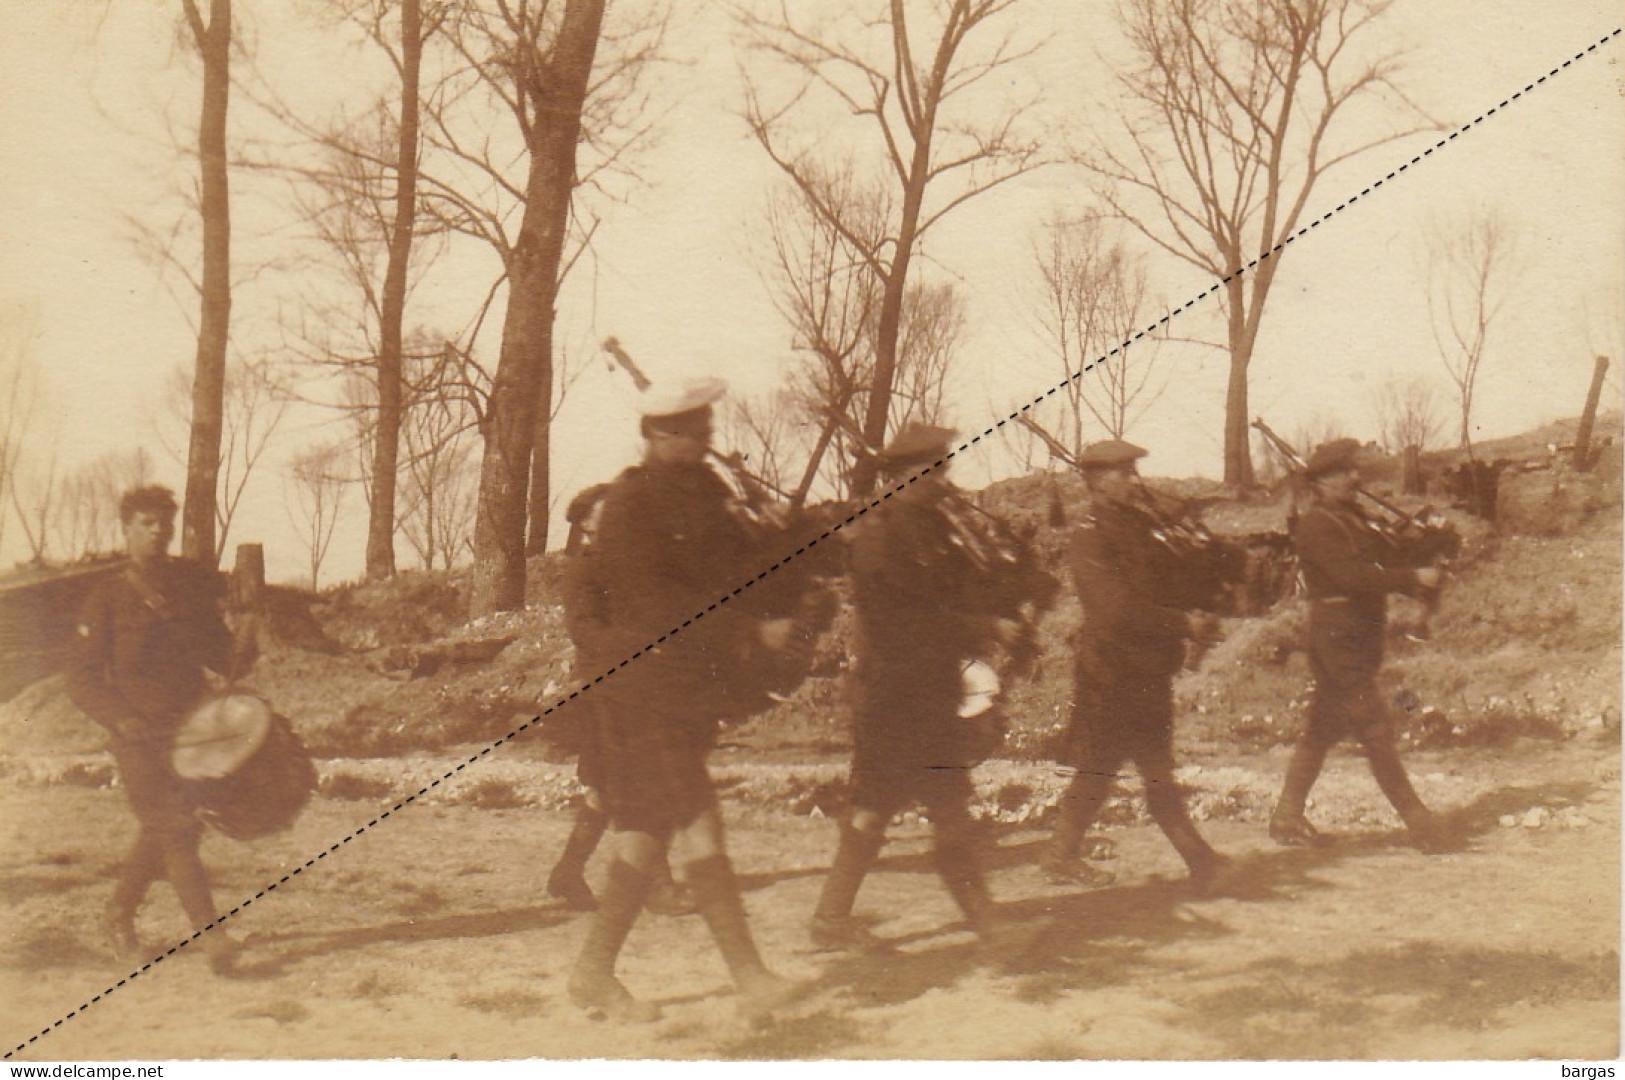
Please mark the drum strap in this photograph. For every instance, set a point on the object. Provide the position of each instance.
(149, 595)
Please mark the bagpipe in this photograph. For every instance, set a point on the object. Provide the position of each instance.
(1010, 581)
(1197, 567)
(1412, 541)
(797, 588)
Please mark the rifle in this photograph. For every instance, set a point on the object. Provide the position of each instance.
(1296, 465)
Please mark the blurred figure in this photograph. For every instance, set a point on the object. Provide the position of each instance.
(1130, 646)
(584, 615)
(145, 637)
(1342, 554)
(921, 614)
(671, 541)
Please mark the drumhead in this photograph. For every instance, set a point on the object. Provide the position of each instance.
(219, 736)
(979, 689)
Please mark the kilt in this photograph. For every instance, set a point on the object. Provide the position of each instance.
(646, 759)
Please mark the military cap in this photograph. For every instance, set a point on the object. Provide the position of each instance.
(917, 443)
(1110, 454)
(1335, 456)
(680, 396)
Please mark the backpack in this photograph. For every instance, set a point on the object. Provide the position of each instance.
(583, 589)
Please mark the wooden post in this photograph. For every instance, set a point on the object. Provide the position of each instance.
(248, 578)
(246, 607)
(1411, 472)
(1582, 439)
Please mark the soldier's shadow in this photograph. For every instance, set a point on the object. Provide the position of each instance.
(270, 955)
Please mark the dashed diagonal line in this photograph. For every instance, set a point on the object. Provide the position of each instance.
(829, 533)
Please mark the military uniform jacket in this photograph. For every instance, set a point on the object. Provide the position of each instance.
(916, 597)
(140, 654)
(1125, 582)
(671, 542)
(1342, 554)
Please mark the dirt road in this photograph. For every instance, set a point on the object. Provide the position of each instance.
(431, 937)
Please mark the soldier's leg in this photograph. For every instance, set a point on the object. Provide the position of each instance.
(593, 985)
(166, 820)
(710, 874)
(1077, 812)
(143, 866)
(1167, 806)
(1324, 726)
(1094, 753)
(956, 848)
(568, 880)
(862, 836)
(1376, 734)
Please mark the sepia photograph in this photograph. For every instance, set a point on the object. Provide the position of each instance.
(811, 531)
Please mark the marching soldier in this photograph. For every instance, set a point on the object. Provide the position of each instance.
(584, 614)
(1131, 644)
(671, 543)
(145, 637)
(1342, 555)
(919, 619)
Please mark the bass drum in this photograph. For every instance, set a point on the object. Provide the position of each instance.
(245, 770)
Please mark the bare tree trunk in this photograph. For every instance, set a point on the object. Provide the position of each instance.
(1238, 458)
(387, 436)
(541, 459)
(524, 367)
(1588, 419)
(209, 377)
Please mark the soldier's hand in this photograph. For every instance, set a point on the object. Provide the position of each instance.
(1007, 631)
(1430, 577)
(776, 635)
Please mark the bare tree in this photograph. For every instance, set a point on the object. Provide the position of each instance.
(768, 432)
(254, 404)
(438, 511)
(1094, 301)
(35, 497)
(17, 399)
(88, 521)
(1407, 415)
(933, 321)
(213, 42)
(934, 161)
(1232, 105)
(825, 287)
(535, 61)
(1468, 282)
(319, 482)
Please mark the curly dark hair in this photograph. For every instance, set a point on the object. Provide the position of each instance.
(151, 499)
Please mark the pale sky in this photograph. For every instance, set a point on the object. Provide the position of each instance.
(82, 107)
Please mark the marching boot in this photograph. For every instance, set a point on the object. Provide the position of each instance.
(1426, 831)
(593, 985)
(117, 926)
(1060, 862)
(568, 881)
(1207, 867)
(117, 932)
(832, 924)
(716, 891)
(955, 856)
(1288, 826)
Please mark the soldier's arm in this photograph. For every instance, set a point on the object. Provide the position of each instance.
(1118, 588)
(1337, 555)
(89, 664)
